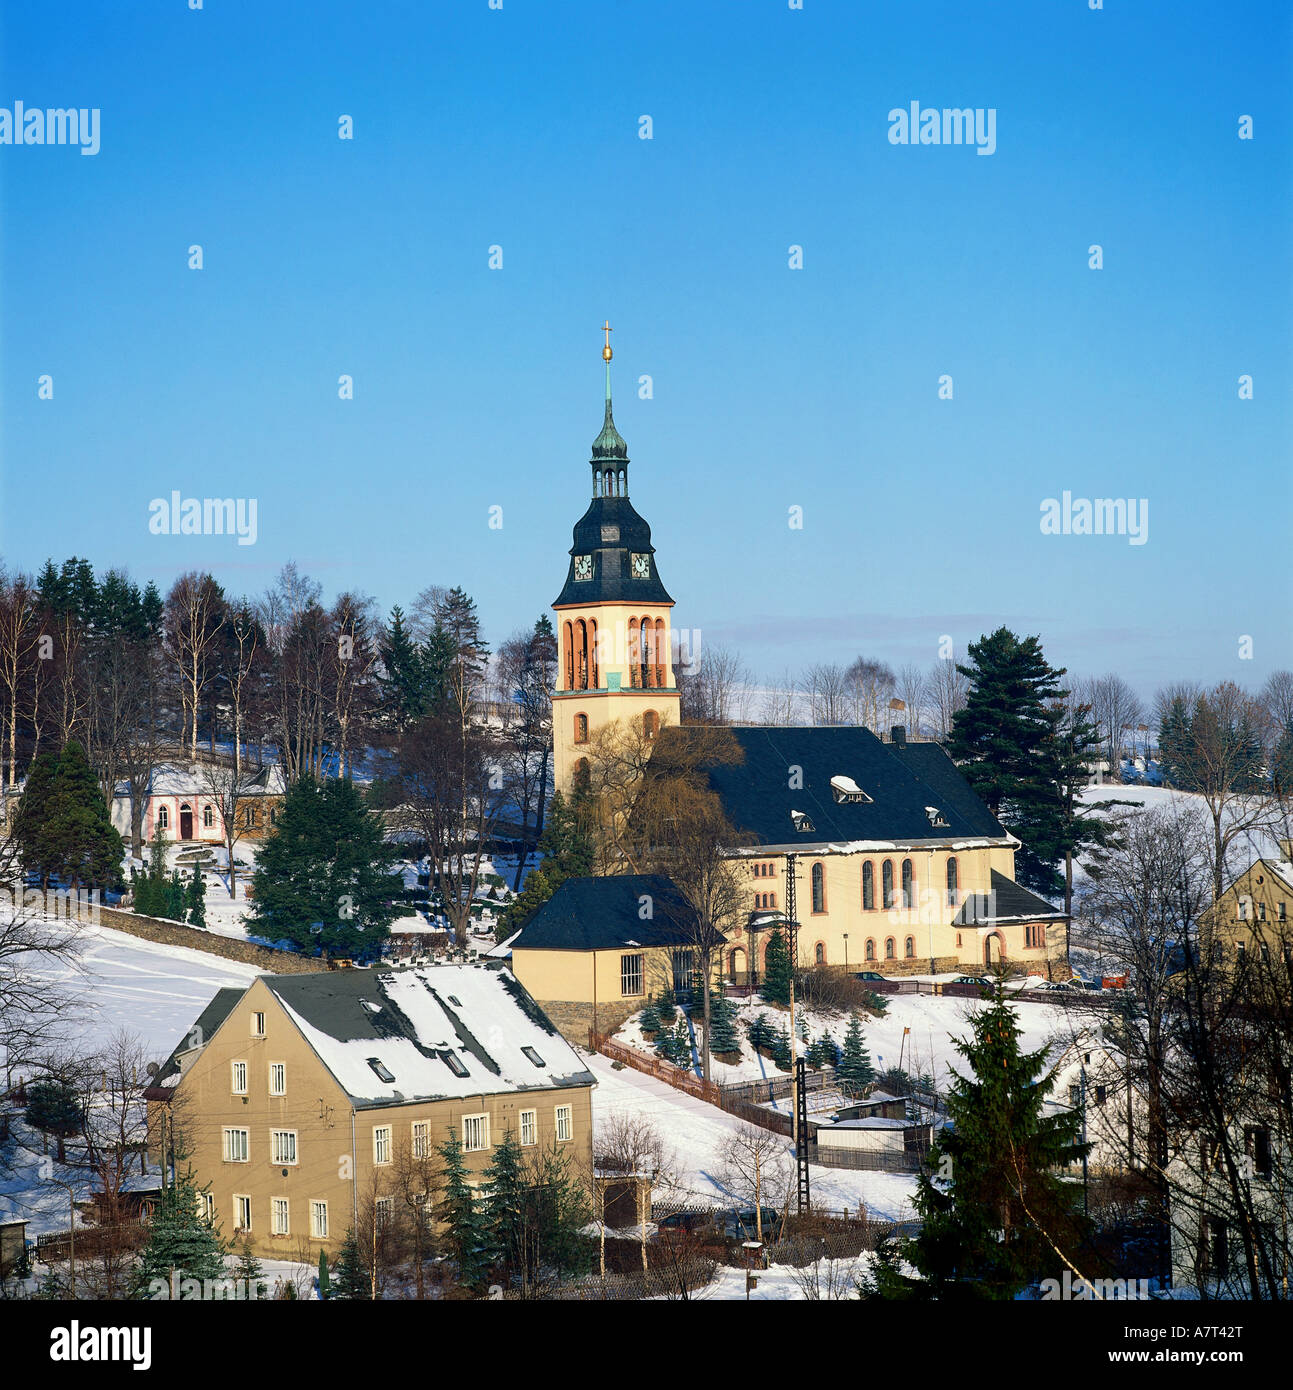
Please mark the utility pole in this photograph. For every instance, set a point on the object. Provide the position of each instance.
(799, 1099)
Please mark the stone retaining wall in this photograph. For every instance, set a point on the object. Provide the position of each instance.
(574, 1018)
(176, 934)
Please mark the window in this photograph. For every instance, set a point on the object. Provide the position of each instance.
(1261, 912)
(819, 954)
(242, 1213)
(868, 886)
(886, 883)
(1257, 1145)
(421, 1143)
(249, 817)
(650, 724)
(953, 883)
(908, 899)
(1075, 1095)
(381, 1143)
(1243, 909)
(531, 1054)
(819, 887)
(258, 1025)
(581, 728)
(563, 1122)
(1214, 1251)
(888, 948)
(206, 1207)
(870, 948)
(802, 823)
(631, 974)
(208, 817)
(279, 1222)
(380, 1070)
(909, 948)
(475, 1133)
(283, 1145)
(319, 1220)
(382, 1212)
(1100, 1093)
(239, 1078)
(1282, 912)
(1241, 950)
(278, 1078)
(529, 1127)
(958, 940)
(163, 818)
(237, 1145)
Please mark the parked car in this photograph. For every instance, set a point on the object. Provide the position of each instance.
(979, 980)
(867, 975)
(684, 1222)
(742, 1224)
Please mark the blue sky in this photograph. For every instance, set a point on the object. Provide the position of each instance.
(773, 388)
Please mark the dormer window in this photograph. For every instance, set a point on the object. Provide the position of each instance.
(936, 818)
(846, 791)
(801, 822)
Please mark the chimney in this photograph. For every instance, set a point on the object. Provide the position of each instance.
(898, 735)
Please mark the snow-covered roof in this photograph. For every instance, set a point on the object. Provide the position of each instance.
(394, 1036)
(178, 779)
(502, 950)
(868, 1122)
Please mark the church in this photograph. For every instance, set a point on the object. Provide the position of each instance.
(897, 866)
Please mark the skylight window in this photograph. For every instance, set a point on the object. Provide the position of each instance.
(845, 791)
(533, 1056)
(454, 1063)
(453, 999)
(383, 1072)
(801, 822)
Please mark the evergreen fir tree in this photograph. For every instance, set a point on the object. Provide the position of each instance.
(176, 897)
(352, 1282)
(179, 1240)
(760, 1031)
(667, 1006)
(781, 1055)
(196, 897)
(854, 1072)
(722, 1025)
(63, 826)
(506, 1186)
(249, 1270)
(994, 1209)
(824, 1052)
(801, 1026)
(1174, 745)
(682, 1045)
(404, 685)
(53, 1107)
(649, 1020)
(467, 1234)
(1282, 764)
(326, 863)
(776, 969)
(1003, 741)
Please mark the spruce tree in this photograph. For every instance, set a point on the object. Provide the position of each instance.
(781, 1054)
(176, 898)
(195, 898)
(53, 1107)
(506, 1187)
(1282, 764)
(723, 1036)
(760, 1031)
(994, 1209)
(63, 826)
(327, 864)
(33, 815)
(682, 1045)
(325, 1283)
(352, 1283)
(649, 1019)
(249, 1270)
(854, 1073)
(180, 1241)
(776, 969)
(467, 1234)
(1003, 741)
(1174, 745)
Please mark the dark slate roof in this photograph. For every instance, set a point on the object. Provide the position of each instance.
(611, 532)
(603, 914)
(1008, 902)
(202, 1032)
(901, 782)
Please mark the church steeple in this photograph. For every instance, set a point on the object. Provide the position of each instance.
(610, 460)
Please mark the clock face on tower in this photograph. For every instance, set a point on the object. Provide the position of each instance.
(583, 566)
(641, 567)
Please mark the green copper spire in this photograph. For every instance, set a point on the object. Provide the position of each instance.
(610, 452)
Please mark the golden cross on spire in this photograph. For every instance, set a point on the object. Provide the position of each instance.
(608, 330)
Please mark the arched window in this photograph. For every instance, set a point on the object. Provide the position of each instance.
(952, 884)
(208, 816)
(868, 886)
(909, 949)
(581, 778)
(819, 887)
(907, 894)
(660, 643)
(163, 818)
(568, 655)
(650, 724)
(772, 901)
(736, 964)
(635, 654)
(581, 654)
(647, 667)
(249, 817)
(819, 953)
(581, 728)
(592, 653)
(886, 883)
(888, 948)
(870, 948)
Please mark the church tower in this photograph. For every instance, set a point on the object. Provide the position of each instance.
(612, 625)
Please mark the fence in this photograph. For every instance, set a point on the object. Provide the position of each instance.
(870, 1160)
(1064, 998)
